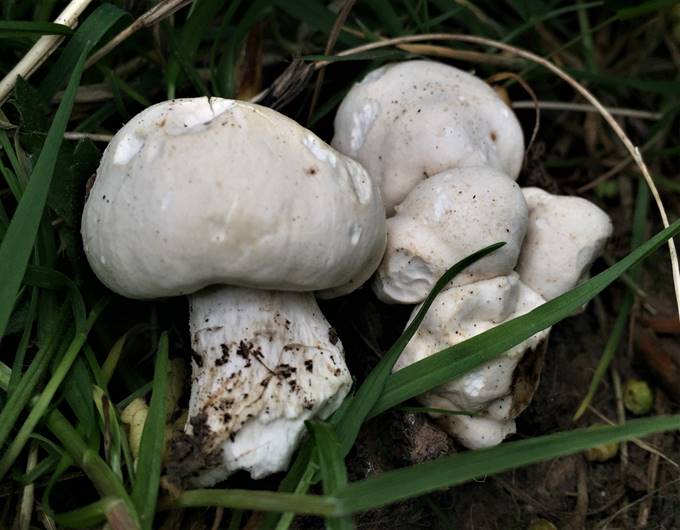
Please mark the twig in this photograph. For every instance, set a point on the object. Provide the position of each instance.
(460, 55)
(158, 12)
(42, 49)
(332, 39)
(606, 522)
(217, 521)
(632, 149)
(646, 507)
(537, 109)
(642, 445)
(583, 107)
(90, 136)
(581, 509)
(621, 413)
(27, 499)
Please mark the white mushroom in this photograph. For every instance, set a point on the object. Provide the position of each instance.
(410, 120)
(205, 192)
(565, 235)
(444, 219)
(492, 390)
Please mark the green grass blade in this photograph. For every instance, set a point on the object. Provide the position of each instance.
(455, 361)
(17, 245)
(112, 430)
(5, 376)
(644, 8)
(182, 58)
(456, 469)
(663, 87)
(384, 10)
(263, 501)
(145, 489)
(106, 482)
(44, 401)
(333, 472)
(93, 514)
(637, 238)
(417, 480)
(21, 28)
(317, 16)
(226, 81)
(95, 26)
(20, 356)
(202, 14)
(29, 381)
(607, 353)
(372, 388)
(362, 56)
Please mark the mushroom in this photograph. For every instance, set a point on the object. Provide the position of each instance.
(565, 235)
(444, 219)
(407, 121)
(248, 213)
(497, 391)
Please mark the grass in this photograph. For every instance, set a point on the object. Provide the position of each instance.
(73, 357)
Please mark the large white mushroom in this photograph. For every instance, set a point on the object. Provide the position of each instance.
(565, 235)
(444, 219)
(407, 121)
(248, 213)
(446, 150)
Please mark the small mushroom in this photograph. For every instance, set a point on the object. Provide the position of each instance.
(248, 213)
(564, 236)
(494, 391)
(407, 121)
(444, 219)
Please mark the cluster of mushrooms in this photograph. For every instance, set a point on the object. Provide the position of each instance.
(253, 217)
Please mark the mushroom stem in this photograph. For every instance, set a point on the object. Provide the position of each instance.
(264, 362)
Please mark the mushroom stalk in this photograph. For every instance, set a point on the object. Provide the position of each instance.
(264, 362)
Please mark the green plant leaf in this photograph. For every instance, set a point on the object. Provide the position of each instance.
(145, 488)
(29, 381)
(21, 28)
(333, 472)
(202, 14)
(413, 481)
(17, 244)
(106, 482)
(94, 514)
(90, 32)
(44, 401)
(459, 468)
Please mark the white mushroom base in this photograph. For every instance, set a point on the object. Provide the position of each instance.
(264, 362)
(493, 391)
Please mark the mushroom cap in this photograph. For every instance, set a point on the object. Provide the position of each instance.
(408, 120)
(564, 236)
(202, 191)
(444, 219)
(457, 314)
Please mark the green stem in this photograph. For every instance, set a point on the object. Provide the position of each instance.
(92, 514)
(253, 500)
(101, 475)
